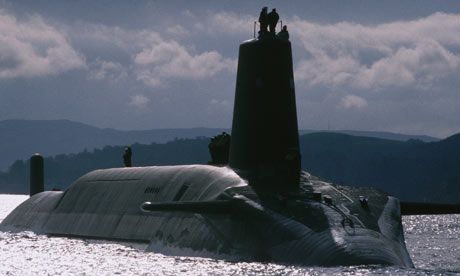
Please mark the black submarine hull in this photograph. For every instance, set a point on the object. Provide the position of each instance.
(211, 211)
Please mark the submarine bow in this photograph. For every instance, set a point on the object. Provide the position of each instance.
(261, 207)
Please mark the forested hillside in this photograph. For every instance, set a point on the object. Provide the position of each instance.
(19, 139)
(61, 170)
(412, 170)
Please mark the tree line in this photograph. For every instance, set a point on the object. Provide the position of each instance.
(411, 170)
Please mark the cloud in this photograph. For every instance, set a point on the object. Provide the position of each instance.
(419, 53)
(154, 59)
(221, 103)
(101, 69)
(177, 30)
(139, 101)
(353, 101)
(229, 23)
(170, 60)
(32, 48)
(113, 37)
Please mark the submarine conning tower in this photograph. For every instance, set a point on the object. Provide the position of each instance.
(265, 142)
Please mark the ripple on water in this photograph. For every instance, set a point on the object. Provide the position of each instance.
(433, 242)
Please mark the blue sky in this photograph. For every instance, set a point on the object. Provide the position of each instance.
(360, 65)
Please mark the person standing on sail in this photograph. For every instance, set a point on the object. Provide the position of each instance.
(273, 18)
(263, 20)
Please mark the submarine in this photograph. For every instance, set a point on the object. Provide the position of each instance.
(260, 206)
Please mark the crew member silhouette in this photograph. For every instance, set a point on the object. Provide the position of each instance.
(284, 34)
(127, 157)
(263, 20)
(273, 18)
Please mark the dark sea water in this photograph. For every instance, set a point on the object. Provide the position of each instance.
(433, 243)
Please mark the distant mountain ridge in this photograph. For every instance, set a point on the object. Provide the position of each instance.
(19, 139)
(378, 134)
(411, 170)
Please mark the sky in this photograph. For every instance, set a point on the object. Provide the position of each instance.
(132, 65)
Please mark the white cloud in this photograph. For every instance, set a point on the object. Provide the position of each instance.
(109, 37)
(325, 70)
(353, 101)
(177, 30)
(102, 69)
(139, 101)
(155, 60)
(416, 53)
(229, 22)
(169, 59)
(32, 48)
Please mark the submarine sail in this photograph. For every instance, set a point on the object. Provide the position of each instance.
(265, 140)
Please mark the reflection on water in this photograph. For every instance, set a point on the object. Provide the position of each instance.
(432, 241)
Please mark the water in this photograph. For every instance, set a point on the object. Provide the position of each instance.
(432, 241)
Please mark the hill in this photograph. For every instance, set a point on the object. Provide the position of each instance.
(378, 134)
(61, 170)
(411, 170)
(19, 139)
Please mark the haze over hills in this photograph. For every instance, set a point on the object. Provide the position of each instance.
(411, 170)
(19, 139)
